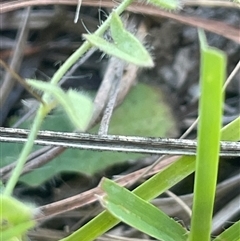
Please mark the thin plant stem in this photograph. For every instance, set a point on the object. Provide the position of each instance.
(44, 109)
(86, 45)
(25, 152)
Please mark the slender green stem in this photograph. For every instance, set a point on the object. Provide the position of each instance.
(86, 45)
(43, 110)
(25, 152)
(150, 189)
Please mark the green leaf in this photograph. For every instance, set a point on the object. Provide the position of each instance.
(230, 234)
(231, 131)
(143, 121)
(125, 46)
(17, 232)
(78, 106)
(166, 4)
(8, 204)
(15, 217)
(134, 117)
(150, 189)
(140, 214)
(212, 75)
(81, 107)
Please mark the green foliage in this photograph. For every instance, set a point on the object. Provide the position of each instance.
(232, 233)
(140, 214)
(231, 131)
(127, 206)
(212, 75)
(125, 46)
(134, 117)
(176, 171)
(143, 121)
(149, 190)
(78, 106)
(15, 218)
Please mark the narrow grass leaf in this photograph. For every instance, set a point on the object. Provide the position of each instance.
(78, 106)
(230, 234)
(140, 214)
(213, 67)
(150, 189)
(125, 46)
(231, 132)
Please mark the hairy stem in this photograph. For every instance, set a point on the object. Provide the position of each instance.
(43, 110)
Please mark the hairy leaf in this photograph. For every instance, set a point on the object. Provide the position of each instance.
(125, 46)
(78, 106)
(143, 121)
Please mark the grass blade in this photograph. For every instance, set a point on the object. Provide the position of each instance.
(213, 66)
(231, 132)
(230, 234)
(150, 189)
(140, 214)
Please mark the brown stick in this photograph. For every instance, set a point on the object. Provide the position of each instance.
(217, 27)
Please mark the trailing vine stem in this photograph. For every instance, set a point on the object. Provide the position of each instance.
(25, 151)
(44, 109)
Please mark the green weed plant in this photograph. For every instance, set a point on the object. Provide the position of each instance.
(133, 207)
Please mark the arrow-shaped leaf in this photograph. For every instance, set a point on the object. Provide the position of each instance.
(125, 46)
